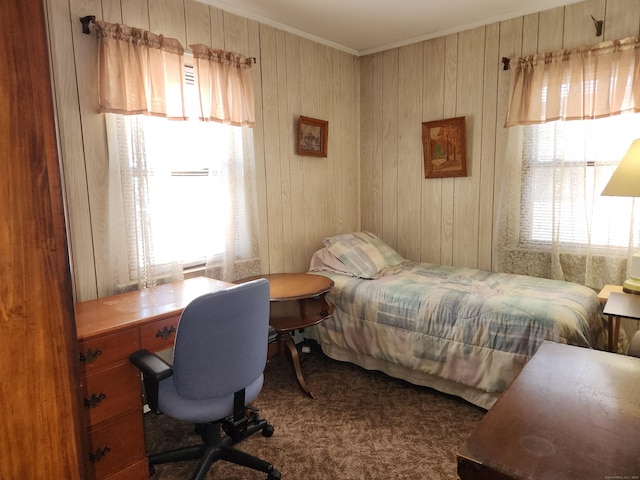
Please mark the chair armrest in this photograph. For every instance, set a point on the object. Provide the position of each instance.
(151, 365)
(154, 369)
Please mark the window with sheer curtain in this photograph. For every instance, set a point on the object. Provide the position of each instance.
(571, 119)
(181, 166)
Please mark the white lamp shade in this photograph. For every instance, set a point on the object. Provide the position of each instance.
(625, 181)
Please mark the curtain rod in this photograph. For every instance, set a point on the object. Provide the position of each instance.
(89, 19)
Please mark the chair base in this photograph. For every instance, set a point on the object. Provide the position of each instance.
(216, 447)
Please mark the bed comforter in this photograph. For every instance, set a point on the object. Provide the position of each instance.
(467, 327)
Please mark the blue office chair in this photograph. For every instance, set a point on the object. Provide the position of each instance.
(220, 353)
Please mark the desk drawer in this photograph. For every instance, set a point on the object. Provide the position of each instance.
(117, 444)
(111, 392)
(159, 334)
(106, 350)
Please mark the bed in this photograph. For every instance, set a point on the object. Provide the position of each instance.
(462, 331)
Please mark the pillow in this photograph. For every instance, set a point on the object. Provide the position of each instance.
(324, 260)
(364, 254)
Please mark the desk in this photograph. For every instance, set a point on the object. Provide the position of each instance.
(109, 329)
(572, 413)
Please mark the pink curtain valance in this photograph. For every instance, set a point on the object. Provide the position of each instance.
(583, 83)
(139, 72)
(225, 86)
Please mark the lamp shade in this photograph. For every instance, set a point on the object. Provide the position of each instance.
(625, 181)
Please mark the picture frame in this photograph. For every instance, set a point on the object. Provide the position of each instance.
(445, 147)
(312, 137)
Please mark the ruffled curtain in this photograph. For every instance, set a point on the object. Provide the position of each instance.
(576, 84)
(225, 86)
(139, 72)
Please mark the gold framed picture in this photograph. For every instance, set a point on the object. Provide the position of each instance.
(444, 143)
(312, 137)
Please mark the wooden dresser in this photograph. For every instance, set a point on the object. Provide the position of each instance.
(109, 330)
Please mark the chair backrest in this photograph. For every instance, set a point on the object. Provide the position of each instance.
(221, 341)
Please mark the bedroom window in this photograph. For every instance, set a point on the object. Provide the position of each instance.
(565, 166)
(184, 201)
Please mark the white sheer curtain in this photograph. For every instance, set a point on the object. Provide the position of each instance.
(551, 220)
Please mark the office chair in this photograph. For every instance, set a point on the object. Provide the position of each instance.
(220, 352)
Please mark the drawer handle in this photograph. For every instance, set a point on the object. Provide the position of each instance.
(99, 454)
(165, 332)
(90, 356)
(94, 400)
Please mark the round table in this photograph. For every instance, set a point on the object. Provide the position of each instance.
(297, 302)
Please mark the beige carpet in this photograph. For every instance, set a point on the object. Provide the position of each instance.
(363, 425)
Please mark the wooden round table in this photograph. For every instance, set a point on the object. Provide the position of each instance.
(297, 302)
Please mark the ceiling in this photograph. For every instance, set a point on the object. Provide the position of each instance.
(361, 27)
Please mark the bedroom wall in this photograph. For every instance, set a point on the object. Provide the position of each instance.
(450, 221)
(302, 199)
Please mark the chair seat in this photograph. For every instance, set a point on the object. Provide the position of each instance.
(201, 411)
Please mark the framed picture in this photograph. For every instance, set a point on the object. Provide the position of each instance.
(444, 143)
(312, 137)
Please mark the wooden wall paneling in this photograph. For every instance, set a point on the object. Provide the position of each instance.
(111, 11)
(350, 144)
(71, 147)
(450, 102)
(390, 109)
(335, 201)
(467, 189)
(492, 66)
(41, 425)
(510, 47)
(271, 146)
(324, 167)
(95, 153)
(235, 33)
(410, 171)
(550, 31)
(377, 157)
(216, 17)
(579, 30)
(621, 19)
(312, 77)
(289, 167)
(432, 109)
(366, 141)
(197, 24)
(530, 30)
(135, 13)
(166, 17)
(258, 143)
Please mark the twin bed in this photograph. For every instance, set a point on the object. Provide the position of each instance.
(462, 331)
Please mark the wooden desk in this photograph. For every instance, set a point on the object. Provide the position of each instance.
(572, 413)
(110, 329)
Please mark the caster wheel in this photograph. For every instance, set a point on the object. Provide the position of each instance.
(267, 430)
(274, 475)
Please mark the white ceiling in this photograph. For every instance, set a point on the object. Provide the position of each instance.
(361, 27)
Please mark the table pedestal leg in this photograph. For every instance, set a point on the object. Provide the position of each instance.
(287, 347)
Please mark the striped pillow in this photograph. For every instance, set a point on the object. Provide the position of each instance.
(364, 254)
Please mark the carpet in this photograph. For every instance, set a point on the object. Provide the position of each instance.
(363, 425)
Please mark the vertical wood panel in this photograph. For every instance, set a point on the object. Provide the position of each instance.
(366, 141)
(409, 150)
(579, 30)
(197, 24)
(390, 107)
(467, 189)
(432, 109)
(450, 102)
(167, 18)
(622, 19)
(487, 154)
(550, 30)
(377, 164)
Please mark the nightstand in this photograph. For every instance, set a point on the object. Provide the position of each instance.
(620, 305)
